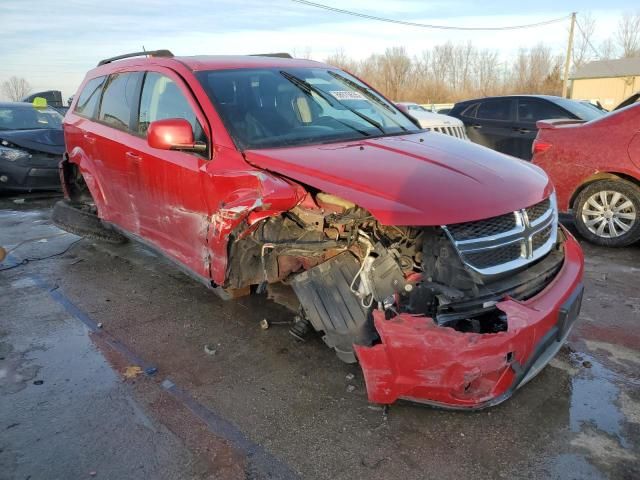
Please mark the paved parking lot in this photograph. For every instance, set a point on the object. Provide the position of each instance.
(256, 404)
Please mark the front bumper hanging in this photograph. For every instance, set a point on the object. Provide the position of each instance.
(420, 361)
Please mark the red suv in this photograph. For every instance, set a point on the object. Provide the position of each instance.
(437, 264)
(595, 167)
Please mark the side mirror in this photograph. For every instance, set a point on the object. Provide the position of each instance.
(173, 134)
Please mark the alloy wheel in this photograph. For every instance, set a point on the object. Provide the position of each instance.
(609, 214)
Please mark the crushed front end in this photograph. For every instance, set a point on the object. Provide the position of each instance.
(454, 315)
(416, 359)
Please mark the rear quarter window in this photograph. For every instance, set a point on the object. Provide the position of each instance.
(90, 97)
(119, 100)
(469, 111)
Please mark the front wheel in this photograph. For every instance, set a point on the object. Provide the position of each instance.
(607, 213)
(82, 221)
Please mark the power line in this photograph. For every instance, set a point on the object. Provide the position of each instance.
(598, 55)
(424, 25)
(588, 42)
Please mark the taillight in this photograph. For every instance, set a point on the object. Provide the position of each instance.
(540, 146)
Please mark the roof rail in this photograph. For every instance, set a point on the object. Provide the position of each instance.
(152, 53)
(277, 55)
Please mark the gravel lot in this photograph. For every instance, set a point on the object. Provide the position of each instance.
(256, 404)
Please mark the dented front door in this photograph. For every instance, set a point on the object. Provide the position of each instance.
(171, 208)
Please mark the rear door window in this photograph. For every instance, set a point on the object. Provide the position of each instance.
(161, 99)
(119, 100)
(90, 97)
(530, 111)
(495, 110)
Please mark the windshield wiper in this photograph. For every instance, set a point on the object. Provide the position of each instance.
(307, 87)
(367, 93)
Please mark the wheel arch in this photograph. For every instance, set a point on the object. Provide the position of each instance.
(76, 165)
(602, 176)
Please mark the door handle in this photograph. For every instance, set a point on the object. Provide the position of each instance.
(477, 126)
(133, 156)
(89, 138)
(521, 130)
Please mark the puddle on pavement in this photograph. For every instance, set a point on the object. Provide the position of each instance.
(595, 400)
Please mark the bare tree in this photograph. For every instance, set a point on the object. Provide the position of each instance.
(302, 53)
(339, 59)
(15, 88)
(582, 50)
(628, 35)
(460, 63)
(395, 66)
(607, 49)
(487, 72)
(534, 71)
(449, 72)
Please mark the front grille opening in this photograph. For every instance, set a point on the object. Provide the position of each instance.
(483, 228)
(538, 210)
(540, 238)
(492, 321)
(495, 256)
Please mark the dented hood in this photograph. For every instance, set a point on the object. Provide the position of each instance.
(419, 179)
(47, 140)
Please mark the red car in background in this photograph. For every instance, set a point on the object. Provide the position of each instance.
(595, 167)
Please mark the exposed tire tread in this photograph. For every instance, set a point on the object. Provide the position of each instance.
(631, 190)
(73, 219)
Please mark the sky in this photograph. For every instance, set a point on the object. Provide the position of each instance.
(53, 43)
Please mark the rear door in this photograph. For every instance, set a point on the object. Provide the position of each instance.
(111, 133)
(171, 208)
(80, 139)
(490, 124)
(529, 111)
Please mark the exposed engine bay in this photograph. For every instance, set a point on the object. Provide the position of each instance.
(343, 265)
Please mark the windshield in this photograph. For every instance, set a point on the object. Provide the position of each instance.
(278, 107)
(25, 117)
(581, 110)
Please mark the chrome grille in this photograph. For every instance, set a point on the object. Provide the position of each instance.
(538, 210)
(540, 238)
(483, 228)
(494, 256)
(506, 242)
(458, 131)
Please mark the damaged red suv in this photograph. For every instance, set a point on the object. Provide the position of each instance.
(436, 264)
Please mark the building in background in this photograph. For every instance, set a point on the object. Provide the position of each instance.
(606, 81)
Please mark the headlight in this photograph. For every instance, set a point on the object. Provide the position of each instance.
(12, 154)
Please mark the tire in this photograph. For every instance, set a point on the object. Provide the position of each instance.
(80, 220)
(599, 215)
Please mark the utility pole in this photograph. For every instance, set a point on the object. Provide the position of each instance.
(567, 61)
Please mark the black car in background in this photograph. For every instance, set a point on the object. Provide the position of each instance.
(31, 146)
(508, 124)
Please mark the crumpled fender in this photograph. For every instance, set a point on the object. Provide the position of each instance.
(418, 360)
(255, 195)
(92, 178)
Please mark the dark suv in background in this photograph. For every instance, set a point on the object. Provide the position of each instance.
(508, 124)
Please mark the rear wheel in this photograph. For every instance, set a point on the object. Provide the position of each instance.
(607, 213)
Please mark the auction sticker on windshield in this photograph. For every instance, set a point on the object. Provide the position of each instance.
(347, 95)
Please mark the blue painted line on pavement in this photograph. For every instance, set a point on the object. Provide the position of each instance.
(259, 459)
